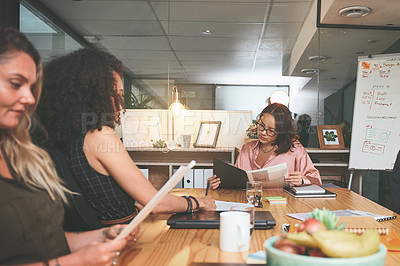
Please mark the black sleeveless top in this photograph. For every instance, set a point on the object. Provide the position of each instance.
(108, 199)
(31, 223)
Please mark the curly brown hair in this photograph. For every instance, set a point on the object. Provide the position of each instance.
(79, 95)
(283, 125)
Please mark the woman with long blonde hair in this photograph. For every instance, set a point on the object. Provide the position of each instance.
(31, 194)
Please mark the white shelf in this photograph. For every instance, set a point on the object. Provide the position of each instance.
(169, 160)
(332, 163)
(318, 150)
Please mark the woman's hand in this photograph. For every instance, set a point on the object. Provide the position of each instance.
(214, 182)
(294, 179)
(206, 203)
(111, 232)
(96, 253)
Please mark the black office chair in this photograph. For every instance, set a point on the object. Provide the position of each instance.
(395, 184)
(79, 214)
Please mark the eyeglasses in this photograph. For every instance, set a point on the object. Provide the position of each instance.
(269, 132)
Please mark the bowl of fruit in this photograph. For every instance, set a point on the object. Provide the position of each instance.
(320, 240)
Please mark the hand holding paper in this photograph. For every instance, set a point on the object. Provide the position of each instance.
(156, 199)
(272, 177)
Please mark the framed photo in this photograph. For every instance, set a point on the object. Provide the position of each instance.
(208, 134)
(330, 137)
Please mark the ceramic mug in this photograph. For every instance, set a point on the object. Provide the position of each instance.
(234, 231)
(250, 209)
(184, 140)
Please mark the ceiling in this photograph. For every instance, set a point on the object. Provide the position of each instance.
(251, 42)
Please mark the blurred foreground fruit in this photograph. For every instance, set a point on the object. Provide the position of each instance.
(316, 252)
(328, 218)
(341, 244)
(302, 238)
(311, 225)
(289, 246)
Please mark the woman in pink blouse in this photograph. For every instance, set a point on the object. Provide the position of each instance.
(277, 143)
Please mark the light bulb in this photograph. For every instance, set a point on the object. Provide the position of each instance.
(176, 107)
(280, 96)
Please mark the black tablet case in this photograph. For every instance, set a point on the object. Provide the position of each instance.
(231, 176)
(210, 220)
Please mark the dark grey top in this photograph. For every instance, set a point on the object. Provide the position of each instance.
(108, 199)
(31, 224)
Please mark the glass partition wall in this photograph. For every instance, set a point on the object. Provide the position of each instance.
(332, 55)
(49, 39)
(338, 48)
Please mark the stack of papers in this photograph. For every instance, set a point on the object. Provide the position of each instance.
(308, 189)
(276, 200)
(311, 191)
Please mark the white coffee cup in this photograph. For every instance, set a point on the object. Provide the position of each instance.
(250, 209)
(185, 141)
(234, 233)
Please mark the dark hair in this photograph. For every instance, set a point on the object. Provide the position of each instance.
(79, 95)
(11, 40)
(285, 129)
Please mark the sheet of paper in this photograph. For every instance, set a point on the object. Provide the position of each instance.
(277, 171)
(270, 173)
(271, 177)
(226, 205)
(172, 182)
(340, 213)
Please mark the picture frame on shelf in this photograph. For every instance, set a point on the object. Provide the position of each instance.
(330, 137)
(208, 134)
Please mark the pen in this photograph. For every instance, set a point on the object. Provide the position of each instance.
(208, 187)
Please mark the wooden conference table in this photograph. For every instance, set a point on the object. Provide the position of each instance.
(157, 244)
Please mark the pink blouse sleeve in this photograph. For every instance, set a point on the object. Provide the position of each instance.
(240, 160)
(306, 167)
(244, 158)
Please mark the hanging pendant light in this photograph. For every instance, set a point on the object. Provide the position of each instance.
(176, 105)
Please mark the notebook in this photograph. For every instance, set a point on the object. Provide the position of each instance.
(230, 176)
(210, 220)
(326, 193)
(308, 189)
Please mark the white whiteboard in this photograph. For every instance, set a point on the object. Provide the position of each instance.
(376, 121)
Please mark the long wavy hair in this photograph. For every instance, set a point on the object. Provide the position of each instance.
(31, 163)
(79, 95)
(283, 125)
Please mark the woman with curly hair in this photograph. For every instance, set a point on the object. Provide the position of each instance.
(80, 107)
(31, 193)
(277, 143)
